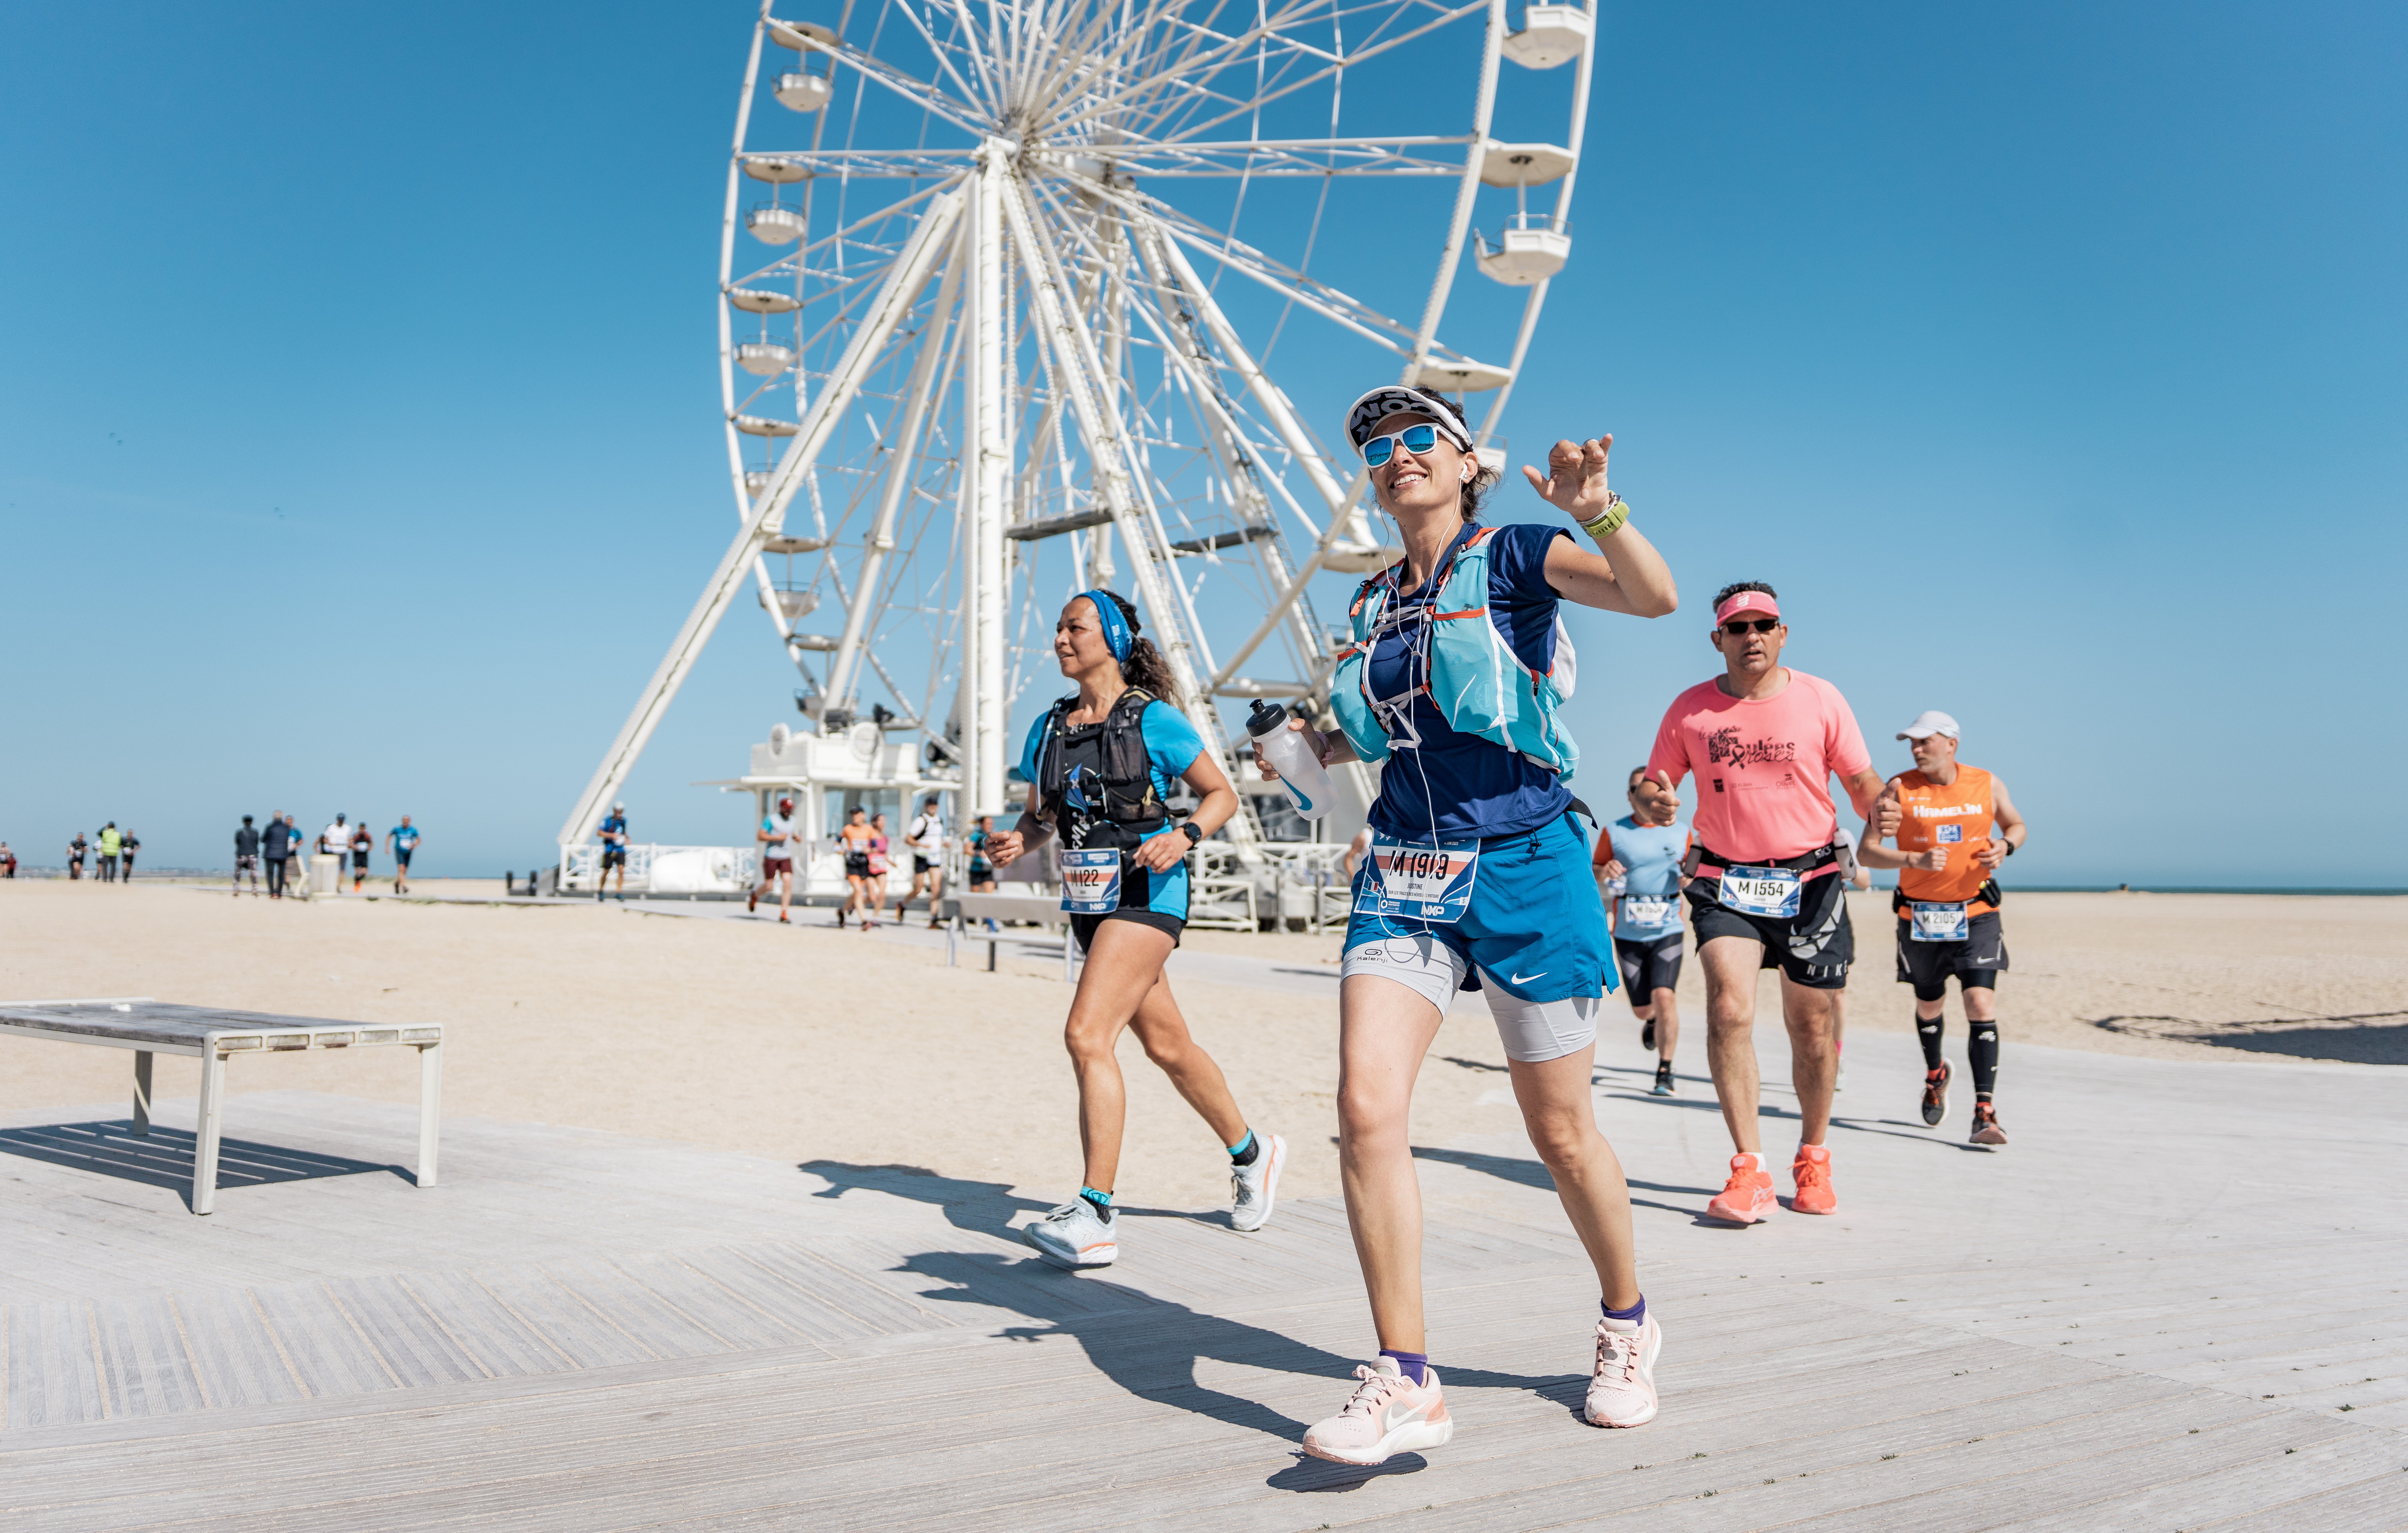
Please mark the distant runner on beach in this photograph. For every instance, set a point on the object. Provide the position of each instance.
(981, 871)
(362, 845)
(246, 857)
(1763, 742)
(8, 862)
(1639, 860)
(777, 838)
(613, 831)
(854, 835)
(925, 837)
(882, 864)
(126, 849)
(1947, 904)
(75, 849)
(402, 841)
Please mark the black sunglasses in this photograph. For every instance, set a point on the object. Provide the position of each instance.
(1737, 626)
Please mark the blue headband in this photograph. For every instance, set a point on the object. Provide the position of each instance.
(1117, 637)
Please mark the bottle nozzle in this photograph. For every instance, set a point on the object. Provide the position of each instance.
(1267, 716)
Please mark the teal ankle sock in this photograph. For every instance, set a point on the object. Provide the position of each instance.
(1244, 1152)
(1102, 1202)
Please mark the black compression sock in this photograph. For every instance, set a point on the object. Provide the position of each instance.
(1927, 1034)
(1981, 1049)
(1247, 1151)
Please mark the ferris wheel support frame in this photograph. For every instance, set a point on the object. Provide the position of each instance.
(893, 304)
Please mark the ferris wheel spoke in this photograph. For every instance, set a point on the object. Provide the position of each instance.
(1292, 157)
(919, 93)
(944, 53)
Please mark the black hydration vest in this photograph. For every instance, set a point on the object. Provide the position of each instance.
(1130, 809)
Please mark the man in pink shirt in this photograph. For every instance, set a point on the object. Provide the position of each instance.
(1763, 742)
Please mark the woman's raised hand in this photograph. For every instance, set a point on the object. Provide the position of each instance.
(1575, 481)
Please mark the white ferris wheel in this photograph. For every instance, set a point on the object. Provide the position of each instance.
(1007, 289)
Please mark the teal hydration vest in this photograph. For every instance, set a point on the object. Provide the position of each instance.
(1477, 683)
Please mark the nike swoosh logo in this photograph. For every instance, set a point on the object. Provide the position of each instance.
(1396, 1415)
(1526, 979)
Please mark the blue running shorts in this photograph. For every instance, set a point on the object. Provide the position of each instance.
(1534, 934)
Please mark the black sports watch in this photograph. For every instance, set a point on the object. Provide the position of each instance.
(1194, 837)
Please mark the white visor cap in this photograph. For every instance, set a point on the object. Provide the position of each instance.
(1378, 405)
(1928, 722)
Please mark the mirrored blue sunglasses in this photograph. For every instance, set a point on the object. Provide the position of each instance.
(1417, 438)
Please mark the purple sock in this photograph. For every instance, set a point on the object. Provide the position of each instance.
(1635, 1314)
(1412, 1365)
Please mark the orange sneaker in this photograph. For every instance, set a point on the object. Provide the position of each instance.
(1812, 1169)
(1747, 1196)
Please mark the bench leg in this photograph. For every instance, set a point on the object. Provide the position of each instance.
(430, 1108)
(142, 1093)
(205, 1134)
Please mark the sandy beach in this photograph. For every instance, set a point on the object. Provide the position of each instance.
(807, 1042)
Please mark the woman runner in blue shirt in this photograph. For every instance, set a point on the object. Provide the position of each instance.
(1099, 764)
(1477, 876)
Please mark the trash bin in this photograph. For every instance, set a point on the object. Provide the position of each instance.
(325, 874)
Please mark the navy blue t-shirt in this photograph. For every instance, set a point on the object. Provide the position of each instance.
(1457, 785)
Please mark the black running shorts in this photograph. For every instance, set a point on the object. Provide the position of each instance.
(921, 864)
(1815, 947)
(1648, 967)
(1975, 961)
(614, 857)
(857, 865)
(1088, 926)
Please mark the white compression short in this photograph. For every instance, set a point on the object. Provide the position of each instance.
(1532, 1032)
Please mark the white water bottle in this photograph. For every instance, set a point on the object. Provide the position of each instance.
(1305, 779)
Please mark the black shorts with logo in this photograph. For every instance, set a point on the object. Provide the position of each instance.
(1648, 967)
(1815, 947)
(614, 857)
(1975, 961)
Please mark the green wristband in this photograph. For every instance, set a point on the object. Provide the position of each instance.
(1617, 511)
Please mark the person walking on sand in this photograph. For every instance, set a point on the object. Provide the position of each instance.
(777, 838)
(925, 837)
(1455, 677)
(363, 846)
(881, 863)
(334, 842)
(982, 871)
(1639, 860)
(245, 856)
(75, 849)
(1762, 740)
(854, 835)
(614, 832)
(402, 841)
(112, 841)
(274, 849)
(1947, 904)
(8, 862)
(1100, 764)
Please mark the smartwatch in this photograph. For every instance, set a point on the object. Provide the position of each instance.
(1194, 837)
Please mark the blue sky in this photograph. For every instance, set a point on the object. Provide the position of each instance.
(359, 451)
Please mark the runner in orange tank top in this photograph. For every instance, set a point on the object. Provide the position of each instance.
(1947, 903)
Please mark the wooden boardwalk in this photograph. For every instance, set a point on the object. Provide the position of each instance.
(2175, 1302)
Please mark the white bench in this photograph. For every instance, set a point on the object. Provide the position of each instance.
(1044, 908)
(154, 1027)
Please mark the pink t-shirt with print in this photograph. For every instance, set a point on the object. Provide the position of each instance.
(1763, 768)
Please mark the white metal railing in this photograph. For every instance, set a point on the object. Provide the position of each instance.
(694, 869)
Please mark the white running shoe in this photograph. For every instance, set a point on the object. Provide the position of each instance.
(1074, 1235)
(1388, 1413)
(1621, 1386)
(1253, 1188)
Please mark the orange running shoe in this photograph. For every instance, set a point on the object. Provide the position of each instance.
(1812, 1169)
(1747, 1196)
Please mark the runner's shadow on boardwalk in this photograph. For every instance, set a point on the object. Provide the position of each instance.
(1152, 1352)
(983, 1207)
(1531, 1173)
(164, 1158)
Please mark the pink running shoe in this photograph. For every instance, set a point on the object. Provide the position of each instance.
(1621, 1386)
(1812, 1169)
(1746, 1198)
(1387, 1414)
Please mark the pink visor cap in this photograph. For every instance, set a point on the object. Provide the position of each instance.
(1747, 601)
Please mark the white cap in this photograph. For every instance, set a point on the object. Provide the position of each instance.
(1928, 722)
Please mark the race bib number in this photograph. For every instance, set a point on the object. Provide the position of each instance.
(1951, 835)
(1773, 892)
(1650, 910)
(1934, 922)
(1420, 881)
(1091, 881)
